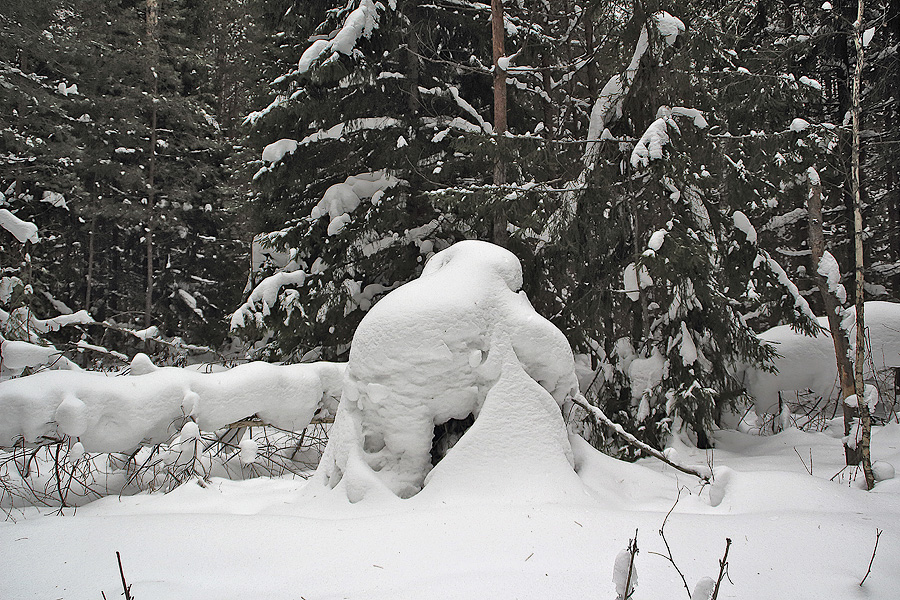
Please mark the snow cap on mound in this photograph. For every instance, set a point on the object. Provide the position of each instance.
(461, 341)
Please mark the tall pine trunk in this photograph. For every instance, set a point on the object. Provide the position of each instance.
(833, 309)
(497, 36)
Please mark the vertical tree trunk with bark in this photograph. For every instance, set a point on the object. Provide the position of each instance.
(833, 311)
(152, 50)
(412, 62)
(497, 36)
(855, 181)
(89, 279)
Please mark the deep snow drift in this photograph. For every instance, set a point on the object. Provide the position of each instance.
(461, 340)
(795, 535)
(116, 413)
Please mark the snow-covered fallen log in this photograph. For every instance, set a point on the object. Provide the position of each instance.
(109, 413)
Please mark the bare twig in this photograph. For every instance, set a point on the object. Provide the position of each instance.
(668, 556)
(601, 418)
(125, 585)
(871, 560)
(632, 550)
(723, 569)
(808, 468)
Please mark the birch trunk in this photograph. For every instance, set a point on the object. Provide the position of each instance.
(855, 181)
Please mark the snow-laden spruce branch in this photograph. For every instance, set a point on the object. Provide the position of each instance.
(607, 108)
(600, 417)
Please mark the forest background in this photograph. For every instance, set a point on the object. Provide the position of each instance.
(250, 176)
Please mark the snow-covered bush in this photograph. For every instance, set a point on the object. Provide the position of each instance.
(807, 363)
(461, 344)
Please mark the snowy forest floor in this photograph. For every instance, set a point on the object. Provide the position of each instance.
(794, 535)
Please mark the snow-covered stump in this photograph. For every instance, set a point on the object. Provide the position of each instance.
(460, 342)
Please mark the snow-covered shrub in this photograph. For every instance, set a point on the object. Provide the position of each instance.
(459, 343)
(806, 364)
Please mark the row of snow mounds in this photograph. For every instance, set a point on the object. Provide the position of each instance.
(808, 363)
(108, 413)
(461, 340)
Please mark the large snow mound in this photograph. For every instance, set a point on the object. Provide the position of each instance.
(808, 363)
(117, 413)
(461, 341)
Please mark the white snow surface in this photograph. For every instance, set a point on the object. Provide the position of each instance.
(16, 355)
(656, 240)
(829, 269)
(275, 151)
(341, 199)
(867, 36)
(636, 279)
(264, 296)
(808, 363)
(461, 339)
(742, 223)
(798, 125)
(116, 413)
(270, 538)
(670, 27)
(650, 146)
(625, 575)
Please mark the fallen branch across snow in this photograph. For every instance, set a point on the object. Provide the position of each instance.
(602, 419)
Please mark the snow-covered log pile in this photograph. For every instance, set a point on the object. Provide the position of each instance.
(460, 342)
(109, 413)
(808, 363)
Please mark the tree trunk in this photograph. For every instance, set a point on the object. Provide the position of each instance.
(833, 312)
(497, 35)
(152, 48)
(864, 417)
(412, 63)
(89, 283)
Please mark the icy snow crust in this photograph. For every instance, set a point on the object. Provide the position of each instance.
(114, 414)
(460, 340)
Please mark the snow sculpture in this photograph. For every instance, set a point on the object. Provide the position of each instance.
(457, 344)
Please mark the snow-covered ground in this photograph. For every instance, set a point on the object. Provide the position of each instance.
(794, 535)
(513, 507)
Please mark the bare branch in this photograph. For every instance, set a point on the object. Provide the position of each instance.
(871, 560)
(601, 418)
